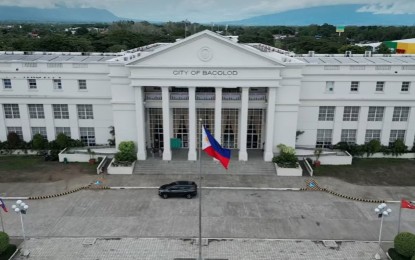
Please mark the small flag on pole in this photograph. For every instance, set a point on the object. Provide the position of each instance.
(3, 205)
(213, 148)
(406, 204)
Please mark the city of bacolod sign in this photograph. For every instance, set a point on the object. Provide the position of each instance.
(205, 72)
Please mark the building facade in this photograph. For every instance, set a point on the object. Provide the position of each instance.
(250, 96)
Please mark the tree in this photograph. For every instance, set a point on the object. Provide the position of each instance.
(372, 147)
(62, 140)
(13, 140)
(383, 49)
(39, 142)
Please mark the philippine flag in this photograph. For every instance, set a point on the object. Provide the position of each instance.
(3, 205)
(213, 148)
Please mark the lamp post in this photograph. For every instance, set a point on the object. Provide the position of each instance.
(382, 210)
(21, 208)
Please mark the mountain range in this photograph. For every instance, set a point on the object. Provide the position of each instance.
(334, 14)
(59, 15)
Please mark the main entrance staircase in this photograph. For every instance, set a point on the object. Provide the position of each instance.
(180, 165)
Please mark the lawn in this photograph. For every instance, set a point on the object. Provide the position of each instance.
(36, 169)
(387, 172)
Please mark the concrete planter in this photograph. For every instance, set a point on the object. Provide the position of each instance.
(288, 171)
(381, 155)
(120, 170)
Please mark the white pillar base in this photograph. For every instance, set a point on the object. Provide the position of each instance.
(268, 156)
(167, 155)
(243, 156)
(141, 156)
(192, 155)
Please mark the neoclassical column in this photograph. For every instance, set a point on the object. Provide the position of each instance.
(166, 123)
(243, 154)
(192, 156)
(140, 122)
(269, 124)
(49, 119)
(218, 114)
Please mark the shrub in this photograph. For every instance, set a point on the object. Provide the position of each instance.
(405, 244)
(8, 253)
(126, 153)
(39, 142)
(395, 255)
(372, 147)
(62, 141)
(398, 147)
(4, 242)
(287, 158)
(351, 148)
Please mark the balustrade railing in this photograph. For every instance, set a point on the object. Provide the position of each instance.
(205, 96)
(258, 96)
(179, 96)
(231, 96)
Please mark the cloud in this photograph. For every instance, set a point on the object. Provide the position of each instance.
(212, 10)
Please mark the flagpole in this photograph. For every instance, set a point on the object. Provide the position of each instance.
(1, 217)
(200, 190)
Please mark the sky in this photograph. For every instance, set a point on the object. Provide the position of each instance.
(210, 11)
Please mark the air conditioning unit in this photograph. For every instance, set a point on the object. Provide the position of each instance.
(348, 54)
(368, 54)
(311, 53)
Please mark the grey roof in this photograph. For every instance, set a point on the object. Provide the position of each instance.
(55, 58)
(359, 60)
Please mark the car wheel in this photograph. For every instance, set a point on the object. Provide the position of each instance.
(189, 196)
(165, 196)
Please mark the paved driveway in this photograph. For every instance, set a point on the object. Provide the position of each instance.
(226, 214)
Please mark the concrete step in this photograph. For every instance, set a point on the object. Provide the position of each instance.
(208, 167)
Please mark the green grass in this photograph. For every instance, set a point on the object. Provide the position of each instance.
(396, 172)
(16, 163)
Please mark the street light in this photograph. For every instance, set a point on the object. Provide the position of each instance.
(21, 208)
(383, 211)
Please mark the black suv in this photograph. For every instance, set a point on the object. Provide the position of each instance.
(186, 189)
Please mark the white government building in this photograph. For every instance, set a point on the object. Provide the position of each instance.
(250, 96)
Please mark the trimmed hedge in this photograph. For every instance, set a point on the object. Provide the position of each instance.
(405, 244)
(396, 256)
(8, 253)
(4, 241)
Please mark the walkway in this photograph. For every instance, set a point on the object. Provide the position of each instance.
(170, 249)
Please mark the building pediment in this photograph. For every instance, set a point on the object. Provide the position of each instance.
(206, 49)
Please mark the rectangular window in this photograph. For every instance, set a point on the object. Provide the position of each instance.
(87, 135)
(82, 84)
(11, 111)
(85, 112)
(351, 113)
(395, 135)
(329, 86)
(348, 135)
(375, 113)
(326, 113)
(372, 134)
(7, 84)
(36, 111)
(400, 114)
(63, 130)
(60, 111)
(405, 86)
(17, 130)
(39, 130)
(380, 86)
(32, 83)
(57, 84)
(324, 137)
(354, 86)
